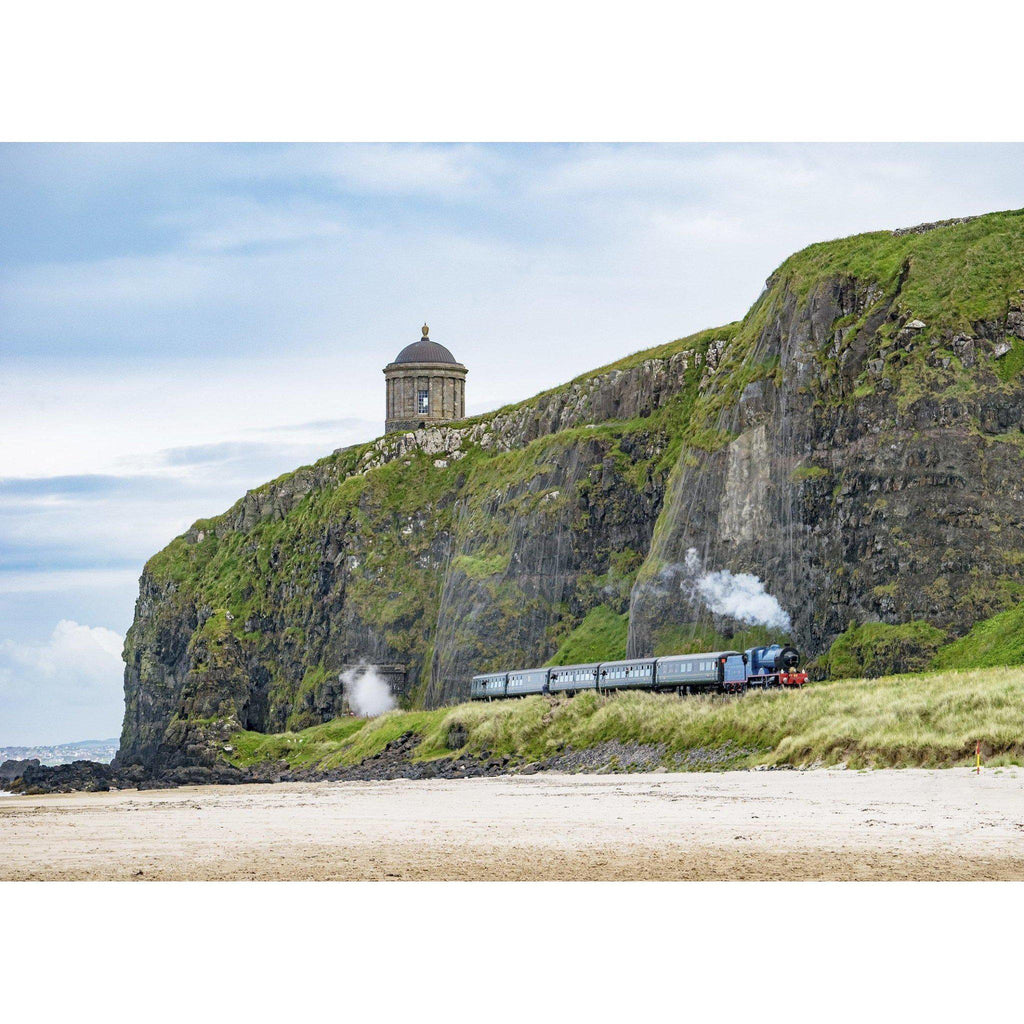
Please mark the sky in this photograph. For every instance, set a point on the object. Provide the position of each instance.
(179, 323)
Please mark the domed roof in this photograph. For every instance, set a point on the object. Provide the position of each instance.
(425, 351)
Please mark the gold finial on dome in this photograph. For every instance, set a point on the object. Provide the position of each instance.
(426, 330)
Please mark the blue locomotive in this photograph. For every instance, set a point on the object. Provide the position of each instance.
(712, 672)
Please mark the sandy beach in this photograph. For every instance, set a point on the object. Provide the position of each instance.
(908, 824)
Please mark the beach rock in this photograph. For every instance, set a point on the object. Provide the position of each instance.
(11, 770)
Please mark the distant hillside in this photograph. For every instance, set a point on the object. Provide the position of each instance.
(63, 753)
(855, 442)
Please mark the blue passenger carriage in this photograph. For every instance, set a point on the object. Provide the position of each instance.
(524, 681)
(633, 674)
(573, 678)
(715, 670)
(488, 687)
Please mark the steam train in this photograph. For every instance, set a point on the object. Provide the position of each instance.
(714, 672)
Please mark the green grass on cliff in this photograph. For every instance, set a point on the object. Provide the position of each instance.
(601, 636)
(959, 273)
(995, 641)
(880, 648)
(929, 720)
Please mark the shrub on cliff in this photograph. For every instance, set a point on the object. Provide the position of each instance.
(878, 649)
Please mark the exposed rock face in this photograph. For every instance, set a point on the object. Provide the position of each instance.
(15, 769)
(855, 441)
(853, 501)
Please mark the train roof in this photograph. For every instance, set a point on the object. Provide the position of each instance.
(629, 661)
(566, 668)
(700, 654)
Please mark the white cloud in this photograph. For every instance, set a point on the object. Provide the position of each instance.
(76, 674)
(87, 652)
(399, 169)
(59, 582)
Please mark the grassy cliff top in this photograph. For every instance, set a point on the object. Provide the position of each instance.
(956, 272)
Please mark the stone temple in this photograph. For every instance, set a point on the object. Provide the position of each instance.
(425, 386)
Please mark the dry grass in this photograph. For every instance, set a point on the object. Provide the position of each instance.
(926, 720)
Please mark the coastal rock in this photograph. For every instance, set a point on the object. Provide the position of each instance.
(13, 770)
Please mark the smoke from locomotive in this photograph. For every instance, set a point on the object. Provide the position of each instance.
(740, 596)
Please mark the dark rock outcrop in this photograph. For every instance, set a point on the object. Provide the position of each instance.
(10, 771)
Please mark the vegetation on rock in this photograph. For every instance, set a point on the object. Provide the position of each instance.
(998, 640)
(601, 636)
(881, 649)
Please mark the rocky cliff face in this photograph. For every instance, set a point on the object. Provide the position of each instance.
(873, 471)
(855, 441)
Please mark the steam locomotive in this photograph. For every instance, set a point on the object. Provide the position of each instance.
(714, 672)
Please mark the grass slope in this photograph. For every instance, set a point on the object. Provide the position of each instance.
(995, 641)
(928, 720)
(601, 636)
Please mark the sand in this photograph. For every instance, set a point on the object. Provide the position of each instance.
(907, 824)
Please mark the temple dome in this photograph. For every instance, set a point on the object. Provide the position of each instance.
(425, 351)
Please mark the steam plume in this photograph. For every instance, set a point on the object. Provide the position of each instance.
(368, 693)
(740, 596)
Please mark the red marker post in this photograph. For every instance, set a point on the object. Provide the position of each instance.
(977, 755)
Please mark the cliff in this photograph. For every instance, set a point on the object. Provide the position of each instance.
(855, 441)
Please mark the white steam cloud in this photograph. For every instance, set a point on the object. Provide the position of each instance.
(740, 596)
(367, 691)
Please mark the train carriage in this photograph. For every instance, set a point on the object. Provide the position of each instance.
(524, 681)
(573, 678)
(633, 674)
(714, 670)
(489, 686)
